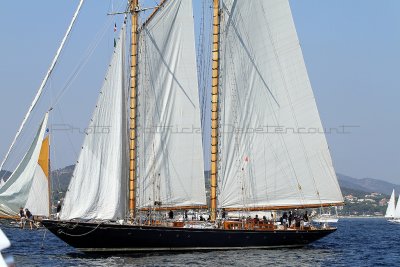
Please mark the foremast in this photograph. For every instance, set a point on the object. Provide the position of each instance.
(214, 110)
(133, 8)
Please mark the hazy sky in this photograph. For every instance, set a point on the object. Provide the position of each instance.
(351, 49)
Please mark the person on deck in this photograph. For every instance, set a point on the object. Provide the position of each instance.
(58, 210)
(171, 214)
(22, 217)
(284, 219)
(256, 219)
(290, 218)
(29, 217)
(305, 217)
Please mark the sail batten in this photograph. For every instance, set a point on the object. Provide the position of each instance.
(272, 150)
(170, 158)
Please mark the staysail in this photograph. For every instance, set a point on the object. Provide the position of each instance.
(38, 198)
(390, 211)
(170, 157)
(273, 152)
(98, 188)
(14, 193)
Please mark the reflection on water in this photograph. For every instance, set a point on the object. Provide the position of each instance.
(358, 242)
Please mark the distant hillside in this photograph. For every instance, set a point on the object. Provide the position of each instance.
(60, 181)
(367, 184)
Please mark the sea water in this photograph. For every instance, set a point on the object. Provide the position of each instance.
(357, 242)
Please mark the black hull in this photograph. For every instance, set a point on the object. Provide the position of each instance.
(91, 237)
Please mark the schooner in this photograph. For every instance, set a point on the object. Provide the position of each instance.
(264, 153)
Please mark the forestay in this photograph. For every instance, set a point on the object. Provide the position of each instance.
(170, 157)
(273, 151)
(98, 189)
(14, 193)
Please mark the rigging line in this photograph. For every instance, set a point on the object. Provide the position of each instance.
(44, 82)
(163, 148)
(331, 171)
(238, 104)
(273, 151)
(276, 119)
(89, 52)
(245, 48)
(153, 41)
(278, 61)
(68, 136)
(80, 235)
(20, 149)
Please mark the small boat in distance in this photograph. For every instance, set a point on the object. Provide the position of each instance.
(393, 210)
(326, 217)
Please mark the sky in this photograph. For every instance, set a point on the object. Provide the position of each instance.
(351, 50)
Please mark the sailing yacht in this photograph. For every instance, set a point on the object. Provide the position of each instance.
(396, 218)
(130, 183)
(29, 184)
(393, 210)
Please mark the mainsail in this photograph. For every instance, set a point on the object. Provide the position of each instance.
(98, 188)
(273, 152)
(390, 211)
(170, 157)
(14, 193)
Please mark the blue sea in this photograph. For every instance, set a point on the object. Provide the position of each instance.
(357, 242)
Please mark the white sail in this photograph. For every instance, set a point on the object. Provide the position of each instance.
(390, 211)
(38, 197)
(397, 210)
(44, 82)
(98, 189)
(170, 157)
(14, 193)
(273, 152)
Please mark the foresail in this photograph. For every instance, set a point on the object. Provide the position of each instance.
(273, 151)
(14, 193)
(170, 157)
(38, 197)
(98, 189)
(391, 208)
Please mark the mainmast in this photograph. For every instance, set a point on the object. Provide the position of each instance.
(214, 110)
(133, 7)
